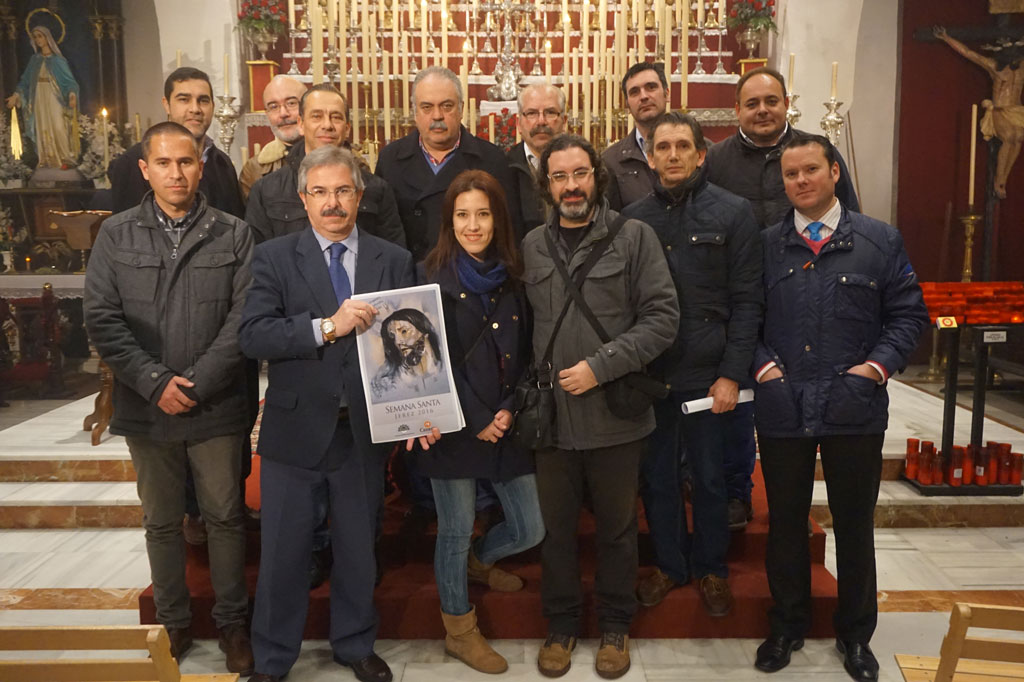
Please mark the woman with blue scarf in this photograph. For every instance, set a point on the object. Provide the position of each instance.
(476, 264)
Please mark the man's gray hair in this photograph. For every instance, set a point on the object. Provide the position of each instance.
(542, 88)
(440, 72)
(329, 155)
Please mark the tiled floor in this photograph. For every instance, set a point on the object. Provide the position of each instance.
(106, 566)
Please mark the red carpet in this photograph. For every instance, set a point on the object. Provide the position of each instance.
(409, 607)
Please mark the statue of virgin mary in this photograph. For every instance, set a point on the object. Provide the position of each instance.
(48, 96)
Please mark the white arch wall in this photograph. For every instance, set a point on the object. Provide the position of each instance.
(863, 36)
(202, 29)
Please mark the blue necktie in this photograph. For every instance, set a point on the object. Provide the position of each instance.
(339, 278)
(815, 230)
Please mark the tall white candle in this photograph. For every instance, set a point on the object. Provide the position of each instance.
(835, 78)
(472, 116)
(227, 74)
(700, 12)
(387, 95)
(374, 94)
(974, 149)
(547, 60)
(291, 14)
(424, 27)
(792, 64)
(444, 34)
(106, 140)
(405, 74)
(332, 20)
(464, 81)
(316, 36)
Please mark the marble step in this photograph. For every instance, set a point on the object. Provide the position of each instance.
(116, 505)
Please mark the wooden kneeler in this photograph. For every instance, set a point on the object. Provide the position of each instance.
(972, 659)
(158, 667)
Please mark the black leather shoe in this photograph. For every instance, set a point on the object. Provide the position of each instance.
(773, 654)
(859, 661)
(263, 677)
(369, 669)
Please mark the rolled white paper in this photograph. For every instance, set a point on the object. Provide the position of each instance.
(701, 404)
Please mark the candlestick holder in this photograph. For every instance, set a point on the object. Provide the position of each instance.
(720, 65)
(832, 122)
(303, 23)
(354, 51)
(792, 113)
(575, 124)
(970, 222)
(698, 69)
(227, 116)
(475, 69)
(413, 66)
(332, 66)
(294, 69)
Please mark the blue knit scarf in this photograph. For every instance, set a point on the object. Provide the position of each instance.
(480, 277)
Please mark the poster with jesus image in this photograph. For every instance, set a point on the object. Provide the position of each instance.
(405, 367)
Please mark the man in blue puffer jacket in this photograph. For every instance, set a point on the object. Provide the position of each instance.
(843, 312)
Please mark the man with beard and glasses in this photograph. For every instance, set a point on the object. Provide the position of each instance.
(275, 206)
(630, 176)
(412, 358)
(301, 318)
(713, 248)
(420, 166)
(541, 118)
(630, 290)
(188, 100)
(747, 164)
(281, 101)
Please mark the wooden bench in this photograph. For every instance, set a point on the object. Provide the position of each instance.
(157, 667)
(972, 659)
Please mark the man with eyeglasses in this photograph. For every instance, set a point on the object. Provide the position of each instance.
(275, 207)
(541, 118)
(281, 101)
(630, 176)
(420, 166)
(630, 290)
(299, 315)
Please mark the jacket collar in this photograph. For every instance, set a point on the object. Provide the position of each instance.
(842, 238)
(773, 150)
(410, 144)
(695, 183)
(628, 149)
(147, 215)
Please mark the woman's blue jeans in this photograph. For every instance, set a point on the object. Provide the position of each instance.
(455, 499)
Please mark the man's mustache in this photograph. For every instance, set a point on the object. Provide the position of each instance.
(336, 211)
(439, 126)
(288, 122)
(543, 128)
(573, 193)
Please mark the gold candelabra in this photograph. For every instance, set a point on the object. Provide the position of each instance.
(970, 222)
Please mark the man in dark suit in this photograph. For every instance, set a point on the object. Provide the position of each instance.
(188, 100)
(315, 433)
(420, 166)
(630, 176)
(541, 118)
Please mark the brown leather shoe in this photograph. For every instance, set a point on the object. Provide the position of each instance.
(181, 642)
(234, 642)
(716, 595)
(652, 589)
(492, 576)
(612, 660)
(195, 530)
(555, 656)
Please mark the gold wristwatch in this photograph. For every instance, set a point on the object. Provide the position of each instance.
(327, 329)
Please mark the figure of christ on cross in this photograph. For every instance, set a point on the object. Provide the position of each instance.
(1004, 114)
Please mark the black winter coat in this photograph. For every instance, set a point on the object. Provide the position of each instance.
(485, 380)
(713, 249)
(420, 193)
(755, 173)
(219, 183)
(857, 300)
(152, 317)
(275, 208)
(533, 208)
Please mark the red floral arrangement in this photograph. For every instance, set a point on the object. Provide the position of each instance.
(263, 15)
(505, 125)
(755, 14)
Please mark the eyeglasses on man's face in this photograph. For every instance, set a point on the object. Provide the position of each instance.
(290, 104)
(579, 175)
(342, 193)
(549, 114)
